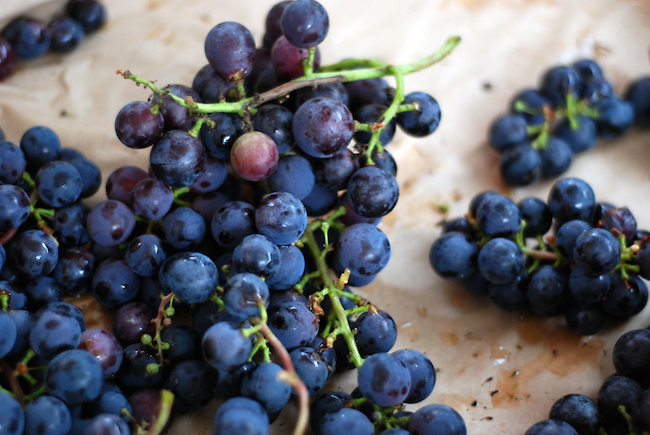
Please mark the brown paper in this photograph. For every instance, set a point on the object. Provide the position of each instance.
(501, 372)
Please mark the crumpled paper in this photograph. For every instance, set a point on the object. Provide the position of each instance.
(500, 371)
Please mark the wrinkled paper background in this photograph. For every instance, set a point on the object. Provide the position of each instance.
(500, 371)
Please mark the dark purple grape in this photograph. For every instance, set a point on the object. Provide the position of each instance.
(372, 192)
(104, 346)
(29, 37)
(225, 347)
(273, 23)
(305, 23)
(555, 427)
(218, 140)
(585, 319)
(580, 139)
(91, 176)
(232, 222)
(41, 145)
(183, 228)
(12, 162)
(263, 385)
(90, 13)
(579, 411)
(376, 332)
(114, 283)
(311, 367)
(597, 251)
(293, 323)
(191, 383)
(436, 419)
(571, 198)
(275, 121)
(132, 320)
(9, 334)
(547, 287)
(555, 158)
(506, 131)
(134, 373)
(214, 175)
(364, 249)
(560, 83)
(423, 121)
(14, 206)
(520, 165)
(74, 270)
(423, 374)
(322, 127)
(33, 253)
(243, 294)
(230, 49)
(137, 127)
(177, 159)
(333, 90)
(637, 94)
(281, 217)
(64, 308)
(192, 276)
(368, 91)
(145, 254)
(287, 60)
(110, 223)
(345, 419)
(292, 268)
(151, 199)
(74, 376)
(184, 343)
(294, 175)
(631, 356)
(8, 59)
(320, 200)
(104, 424)
(500, 261)
(384, 379)
(257, 254)
(24, 322)
(212, 87)
(66, 33)
(58, 183)
(615, 117)
(121, 181)
(241, 415)
(47, 415)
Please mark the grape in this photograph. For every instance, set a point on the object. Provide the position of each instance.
(9, 334)
(74, 376)
(241, 416)
(322, 127)
(176, 116)
(585, 319)
(191, 383)
(66, 309)
(114, 283)
(54, 333)
(423, 121)
(566, 236)
(320, 200)
(120, 183)
(587, 288)
(372, 192)
(615, 117)
(91, 176)
(537, 216)
(192, 276)
(66, 33)
(556, 158)
(24, 321)
(631, 356)
(177, 159)
(506, 131)
(617, 391)
(90, 13)
(287, 61)
(184, 343)
(215, 172)
(137, 127)
(183, 228)
(132, 320)
(311, 367)
(305, 23)
(211, 86)
(293, 323)
(14, 206)
(110, 222)
(520, 165)
(556, 427)
(292, 267)
(368, 91)
(145, 254)
(151, 199)
(33, 253)
(103, 424)
(384, 379)
(571, 198)
(48, 415)
(345, 419)
(376, 332)
(332, 90)
(29, 37)
(230, 49)
(74, 270)
(580, 139)
(12, 418)
(232, 222)
(133, 373)
(423, 374)
(264, 386)
(218, 140)
(281, 217)
(257, 254)
(579, 411)
(436, 419)
(335, 172)
(243, 294)
(41, 145)
(547, 287)
(294, 175)
(8, 59)
(254, 156)
(500, 261)
(58, 183)
(597, 251)
(560, 83)
(225, 347)
(625, 299)
(104, 346)
(276, 122)
(636, 94)
(13, 162)
(363, 249)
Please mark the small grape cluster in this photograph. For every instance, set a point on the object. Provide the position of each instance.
(623, 402)
(588, 269)
(26, 38)
(257, 213)
(573, 107)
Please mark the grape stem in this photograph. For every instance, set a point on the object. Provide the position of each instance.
(8, 235)
(166, 404)
(158, 323)
(326, 75)
(16, 391)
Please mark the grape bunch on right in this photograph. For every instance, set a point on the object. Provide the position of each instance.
(573, 107)
(588, 268)
(623, 403)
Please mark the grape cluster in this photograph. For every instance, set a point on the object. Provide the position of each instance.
(573, 107)
(227, 265)
(588, 268)
(623, 402)
(26, 38)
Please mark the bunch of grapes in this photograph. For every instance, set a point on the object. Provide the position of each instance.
(589, 268)
(26, 38)
(228, 263)
(623, 402)
(573, 107)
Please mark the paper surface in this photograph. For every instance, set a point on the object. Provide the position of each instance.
(500, 371)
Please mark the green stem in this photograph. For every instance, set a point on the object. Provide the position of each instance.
(166, 404)
(308, 63)
(337, 307)
(180, 192)
(4, 300)
(352, 64)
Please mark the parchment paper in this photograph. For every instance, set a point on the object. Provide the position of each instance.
(500, 371)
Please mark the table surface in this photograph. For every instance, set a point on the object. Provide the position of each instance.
(500, 371)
